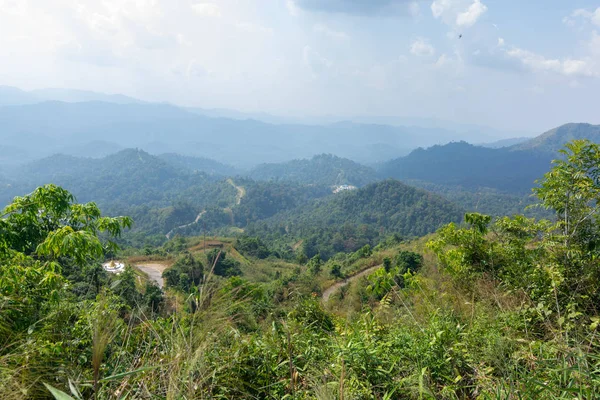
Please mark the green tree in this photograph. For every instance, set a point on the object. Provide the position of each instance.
(336, 270)
(315, 265)
(572, 190)
(41, 235)
(223, 266)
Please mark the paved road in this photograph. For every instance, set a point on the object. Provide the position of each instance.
(154, 272)
(336, 286)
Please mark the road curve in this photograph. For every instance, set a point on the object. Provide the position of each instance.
(154, 272)
(336, 286)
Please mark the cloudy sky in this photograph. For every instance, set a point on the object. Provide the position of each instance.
(523, 65)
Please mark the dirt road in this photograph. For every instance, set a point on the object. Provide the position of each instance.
(336, 286)
(154, 272)
(241, 192)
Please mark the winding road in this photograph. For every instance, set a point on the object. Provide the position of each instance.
(168, 235)
(336, 286)
(241, 192)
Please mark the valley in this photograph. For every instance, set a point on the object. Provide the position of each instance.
(272, 273)
(299, 200)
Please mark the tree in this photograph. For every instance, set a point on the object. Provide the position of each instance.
(223, 266)
(40, 235)
(185, 273)
(315, 264)
(387, 264)
(336, 270)
(572, 190)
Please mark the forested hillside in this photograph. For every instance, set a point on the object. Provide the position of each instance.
(555, 139)
(324, 169)
(128, 178)
(199, 164)
(348, 221)
(471, 166)
(484, 308)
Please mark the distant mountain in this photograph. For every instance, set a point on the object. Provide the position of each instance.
(12, 96)
(163, 128)
(504, 142)
(119, 181)
(492, 180)
(93, 149)
(199, 164)
(555, 139)
(79, 96)
(324, 169)
(471, 166)
(451, 130)
(348, 220)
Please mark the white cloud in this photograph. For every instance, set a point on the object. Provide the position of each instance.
(422, 48)
(471, 15)
(440, 7)
(331, 33)
(442, 61)
(501, 42)
(292, 8)
(414, 9)
(567, 67)
(207, 9)
(586, 15)
(315, 61)
(253, 28)
(594, 45)
(459, 13)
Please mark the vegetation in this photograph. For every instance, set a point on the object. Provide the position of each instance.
(348, 221)
(462, 164)
(492, 308)
(324, 169)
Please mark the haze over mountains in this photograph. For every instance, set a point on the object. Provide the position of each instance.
(44, 122)
(139, 158)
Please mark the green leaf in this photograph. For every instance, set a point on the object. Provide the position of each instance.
(58, 394)
(124, 374)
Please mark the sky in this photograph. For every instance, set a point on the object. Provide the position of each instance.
(510, 64)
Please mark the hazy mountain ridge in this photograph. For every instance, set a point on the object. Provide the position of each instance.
(200, 164)
(14, 96)
(236, 142)
(471, 166)
(555, 139)
(67, 121)
(324, 169)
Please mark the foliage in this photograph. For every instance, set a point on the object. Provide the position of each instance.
(324, 169)
(506, 309)
(185, 273)
(349, 221)
(223, 265)
(252, 246)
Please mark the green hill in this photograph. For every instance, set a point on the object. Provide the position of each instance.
(348, 221)
(471, 166)
(555, 139)
(324, 169)
(130, 182)
(199, 164)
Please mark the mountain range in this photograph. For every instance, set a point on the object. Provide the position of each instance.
(40, 123)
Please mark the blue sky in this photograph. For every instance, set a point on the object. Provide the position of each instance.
(520, 65)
